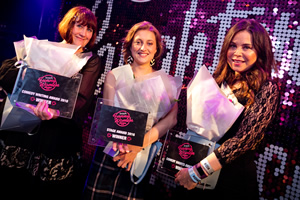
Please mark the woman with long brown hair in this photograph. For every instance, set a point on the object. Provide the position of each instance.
(245, 65)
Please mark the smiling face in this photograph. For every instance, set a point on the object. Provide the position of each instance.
(81, 35)
(241, 54)
(143, 47)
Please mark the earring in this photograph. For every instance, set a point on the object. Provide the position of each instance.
(130, 60)
(152, 62)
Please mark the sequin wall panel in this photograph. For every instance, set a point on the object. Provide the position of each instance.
(194, 32)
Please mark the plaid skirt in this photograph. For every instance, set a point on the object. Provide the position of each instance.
(108, 181)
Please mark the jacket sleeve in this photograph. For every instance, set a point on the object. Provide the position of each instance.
(90, 72)
(8, 74)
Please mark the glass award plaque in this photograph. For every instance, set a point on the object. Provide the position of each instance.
(17, 119)
(178, 153)
(183, 151)
(33, 86)
(111, 123)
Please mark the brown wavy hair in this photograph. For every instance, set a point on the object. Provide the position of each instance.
(83, 16)
(252, 79)
(145, 25)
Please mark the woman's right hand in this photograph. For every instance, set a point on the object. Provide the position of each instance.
(183, 178)
(123, 148)
(43, 111)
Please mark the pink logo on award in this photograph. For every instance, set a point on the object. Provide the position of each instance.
(122, 118)
(48, 82)
(186, 150)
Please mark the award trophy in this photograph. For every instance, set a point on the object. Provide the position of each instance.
(33, 86)
(60, 92)
(111, 123)
(183, 151)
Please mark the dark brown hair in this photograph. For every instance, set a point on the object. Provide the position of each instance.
(145, 25)
(83, 16)
(252, 79)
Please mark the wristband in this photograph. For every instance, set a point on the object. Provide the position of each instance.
(207, 166)
(201, 172)
(193, 176)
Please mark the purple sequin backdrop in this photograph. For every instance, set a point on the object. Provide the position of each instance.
(194, 32)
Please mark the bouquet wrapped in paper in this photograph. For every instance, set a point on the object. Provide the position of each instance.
(48, 71)
(154, 93)
(211, 110)
(55, 57)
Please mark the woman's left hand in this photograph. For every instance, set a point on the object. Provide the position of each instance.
(125, 158)
(183, 178)
(43, 111)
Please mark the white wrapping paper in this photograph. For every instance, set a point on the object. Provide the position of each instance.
(209, 112)
(53, 57)
(154, 93)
